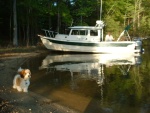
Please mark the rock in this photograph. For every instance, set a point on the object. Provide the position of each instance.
(2, 65)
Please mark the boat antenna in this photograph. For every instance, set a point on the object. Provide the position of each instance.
(100, 9)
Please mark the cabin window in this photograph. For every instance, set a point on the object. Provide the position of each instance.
(79, 32)
(74, 32)
(94, 33)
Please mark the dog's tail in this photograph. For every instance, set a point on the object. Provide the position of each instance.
(20, 69)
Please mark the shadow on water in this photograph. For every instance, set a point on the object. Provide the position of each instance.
(93, 83)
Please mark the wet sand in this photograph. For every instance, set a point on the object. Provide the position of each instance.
(12, 101)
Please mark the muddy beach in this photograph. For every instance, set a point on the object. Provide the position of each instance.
(12, 101)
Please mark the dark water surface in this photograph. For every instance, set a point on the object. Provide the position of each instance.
(93, 83)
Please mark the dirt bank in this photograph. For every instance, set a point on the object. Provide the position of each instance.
(12, 101)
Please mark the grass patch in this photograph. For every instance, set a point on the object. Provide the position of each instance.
(22, 49)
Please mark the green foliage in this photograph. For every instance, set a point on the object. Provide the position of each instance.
(83, 9)
(44, 14)
(112, 26)
(145, 26)
(65, 14)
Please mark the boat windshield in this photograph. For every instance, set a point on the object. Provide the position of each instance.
(79, 32)
(93, 33)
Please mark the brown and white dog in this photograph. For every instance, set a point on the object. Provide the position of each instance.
(21, 80)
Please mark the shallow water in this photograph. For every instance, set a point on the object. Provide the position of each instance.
(97, 83)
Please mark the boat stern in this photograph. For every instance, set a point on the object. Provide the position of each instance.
(138, 45)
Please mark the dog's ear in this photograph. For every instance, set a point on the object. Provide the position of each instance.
(22, 73)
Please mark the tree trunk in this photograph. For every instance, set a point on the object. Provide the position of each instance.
(139, 8)
(27, 44)
(15, 38)
(58, 20)
(49, 6)
(28, 27)
(58, 16)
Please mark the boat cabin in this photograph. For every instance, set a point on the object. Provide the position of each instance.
(83, 33)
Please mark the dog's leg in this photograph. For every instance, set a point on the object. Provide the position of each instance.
(25, 90)
(19, 88)
(14, 86)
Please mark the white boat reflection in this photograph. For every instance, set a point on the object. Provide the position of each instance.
(90, 66)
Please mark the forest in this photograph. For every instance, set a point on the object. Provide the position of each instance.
(22, 20)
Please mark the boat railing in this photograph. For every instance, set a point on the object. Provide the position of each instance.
(49, 33)
(124, 34)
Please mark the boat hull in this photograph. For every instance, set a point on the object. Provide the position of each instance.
(91, 47)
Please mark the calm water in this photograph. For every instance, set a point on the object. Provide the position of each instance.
(97, 83)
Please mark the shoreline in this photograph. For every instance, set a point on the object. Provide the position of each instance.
(12, 101)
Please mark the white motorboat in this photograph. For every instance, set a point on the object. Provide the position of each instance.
(89, 39)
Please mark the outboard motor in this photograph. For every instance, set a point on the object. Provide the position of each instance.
(138, 44)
